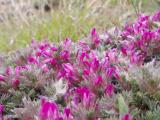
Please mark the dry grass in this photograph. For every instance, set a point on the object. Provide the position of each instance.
(20, 21)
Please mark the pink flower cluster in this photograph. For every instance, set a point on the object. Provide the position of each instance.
(50, 111)
(142, 38)
(88, 67)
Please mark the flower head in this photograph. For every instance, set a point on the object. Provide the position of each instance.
(48, 110)
(127, 116)
(95, 37)
(109, 89)
(2, 78)
(1, 111)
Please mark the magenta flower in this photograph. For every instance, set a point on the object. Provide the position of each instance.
(44, 46)
(54, 48)
(48, 110)
(31, 59)
(1, 111)
(110, 72)
(15, 83)
(9, 71)
(84, 95)
(84, 46)
(109, 89)
(83, 56)
(95, 37)
(82, 90)
(127, 116)
(67, 42)
(18, 69)
(98, 81)
(86, 72)
(156, 16)
(53, 62)
(46, 54)
(2, 78)
(147, 37)
(95, 64)
(64, 55)
(67, 112)
(68, 68)
(124, 51)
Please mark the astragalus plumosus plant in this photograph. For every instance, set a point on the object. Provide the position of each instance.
(101, 77)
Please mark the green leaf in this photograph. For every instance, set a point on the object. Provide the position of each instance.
(157, 95)
(123, 108)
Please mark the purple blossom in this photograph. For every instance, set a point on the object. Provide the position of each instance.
(87, 67)
(98, 81)
(86, 72)
(156, 16)
(64, 55)
(68, 68)
(95, 37)
(31, 59)
(109, 89)
(2, 78)
(127, 116)
(48, 110)
(95, 64)
(67, 112)
(110, 72)
(15, 83)
(1, 111)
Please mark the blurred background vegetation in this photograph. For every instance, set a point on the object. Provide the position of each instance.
(54, 20)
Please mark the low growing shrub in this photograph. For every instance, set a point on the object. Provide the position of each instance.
(102, 77)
